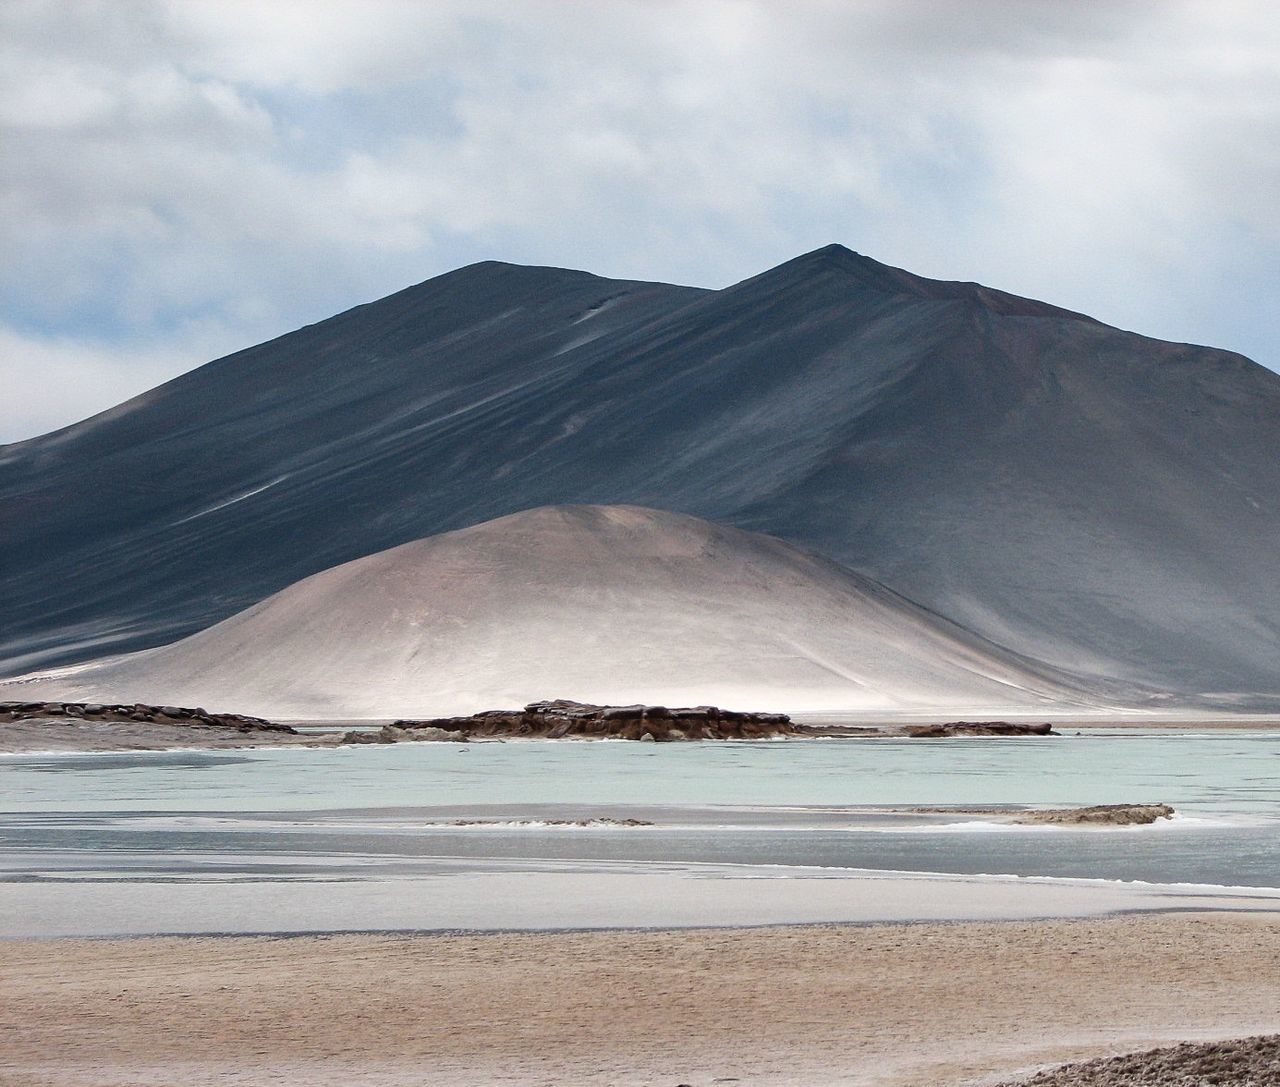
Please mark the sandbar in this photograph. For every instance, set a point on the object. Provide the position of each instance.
(535, 894)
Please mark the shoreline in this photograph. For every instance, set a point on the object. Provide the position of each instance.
(894, 1005)
(1233, 906)
(45, 728)
(54, 738)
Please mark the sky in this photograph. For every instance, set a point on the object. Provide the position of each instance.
(181, 179)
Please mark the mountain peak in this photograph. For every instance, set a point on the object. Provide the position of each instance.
(834, 256)
(833, 252)
(836, 261)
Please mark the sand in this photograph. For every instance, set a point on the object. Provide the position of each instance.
(459, 622)
(885, 1005)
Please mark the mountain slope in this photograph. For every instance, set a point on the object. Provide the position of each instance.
(1102, 501)
(601, 603)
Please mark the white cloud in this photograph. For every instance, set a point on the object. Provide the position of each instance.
(254, 166)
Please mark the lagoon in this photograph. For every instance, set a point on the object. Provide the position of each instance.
(377, 812)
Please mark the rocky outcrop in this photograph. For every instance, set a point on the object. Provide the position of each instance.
(1115, 815)
(11, 712)
(978, 728)
(397, 733)
(551, 720)
(563, 719)
(1243, 1062)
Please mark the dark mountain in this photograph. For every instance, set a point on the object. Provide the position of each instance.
(1104, 502)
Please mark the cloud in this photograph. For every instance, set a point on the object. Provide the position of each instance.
(251, 167)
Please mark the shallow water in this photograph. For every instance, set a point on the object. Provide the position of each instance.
(377, 811)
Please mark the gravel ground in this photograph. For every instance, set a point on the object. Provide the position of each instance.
(1244, 1062)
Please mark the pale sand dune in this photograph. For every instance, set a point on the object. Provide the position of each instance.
(606, 604)
(879, 1006)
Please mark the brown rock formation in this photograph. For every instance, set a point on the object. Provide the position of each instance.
(561, 718)
(1118, 815)
(11, 712)
(1115, 815)
(978, 728)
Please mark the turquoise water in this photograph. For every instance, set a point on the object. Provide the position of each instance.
(1222, 772)
(386, 809)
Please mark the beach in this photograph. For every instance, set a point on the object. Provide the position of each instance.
(888, 1005)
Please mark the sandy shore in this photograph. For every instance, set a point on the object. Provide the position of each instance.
(884, 1005)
